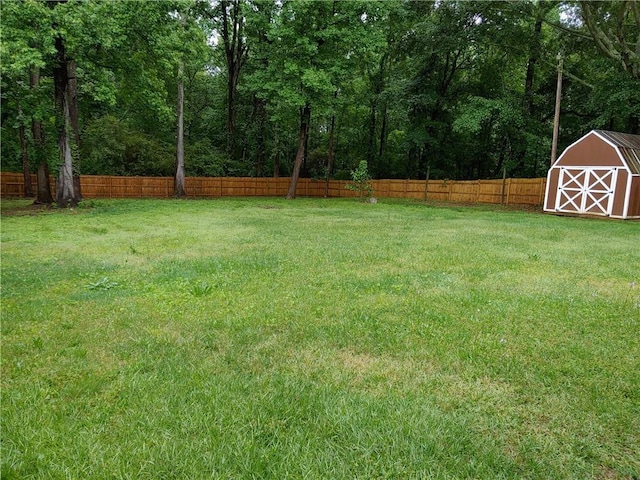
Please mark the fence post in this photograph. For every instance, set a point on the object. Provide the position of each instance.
(504, 181)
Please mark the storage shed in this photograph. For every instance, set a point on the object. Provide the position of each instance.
(597, 175)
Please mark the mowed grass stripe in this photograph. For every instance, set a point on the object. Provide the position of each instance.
(260, 338)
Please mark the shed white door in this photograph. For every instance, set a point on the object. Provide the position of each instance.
(586, 190)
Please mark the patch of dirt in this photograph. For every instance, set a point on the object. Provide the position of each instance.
(607, 473)
(22, 210)
(489, 206)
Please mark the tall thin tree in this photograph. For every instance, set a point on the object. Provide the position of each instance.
(235, 51)
(43, 186)
(305, 118)
(179, 178)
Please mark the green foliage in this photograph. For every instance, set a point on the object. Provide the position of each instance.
(616, 99)
(26, 44)
(112, 147)
(481, 113)
(27, 37)
(361, 180)
(205, 160)
(316, 163)
(459, 89)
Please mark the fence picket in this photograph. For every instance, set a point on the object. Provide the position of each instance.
(519, 191)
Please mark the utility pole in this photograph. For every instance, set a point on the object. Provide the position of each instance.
(556, 116)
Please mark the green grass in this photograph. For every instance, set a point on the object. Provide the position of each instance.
(260, 338)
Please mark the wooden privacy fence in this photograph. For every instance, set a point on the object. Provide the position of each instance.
(510, 191)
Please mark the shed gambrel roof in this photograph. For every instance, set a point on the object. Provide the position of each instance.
(627, 144)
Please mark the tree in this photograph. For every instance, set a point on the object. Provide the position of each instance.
(445, 38)
(294, 78)
(601, 43)
(43, 187)
(312, 49)
(461, 89)
(615, 29)
(26, 45)
(179, 177)
(361, 181)
(235, 54)
(66, 194)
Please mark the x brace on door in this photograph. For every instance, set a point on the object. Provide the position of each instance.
(586, 190)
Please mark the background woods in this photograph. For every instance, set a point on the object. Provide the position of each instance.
(449, 90)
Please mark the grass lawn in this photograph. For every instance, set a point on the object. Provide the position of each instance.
(329, 339)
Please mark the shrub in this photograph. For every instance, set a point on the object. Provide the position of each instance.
(361, 180)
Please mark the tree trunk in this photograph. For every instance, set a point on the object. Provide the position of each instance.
(65, 191)
(609, 38)
(259, 117)
(634, 124)
(378, 108)
(235, 55)
(179, 178)
(43, 187)
(26, 169)
(260, 157)
(231, 101)
(276, 165)
(43, 194)
(383, 141)
(302, 140)
(72, 96)
(556, 116)
(330, 155)
(534, 54)
(371, 145)
(65, 184)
